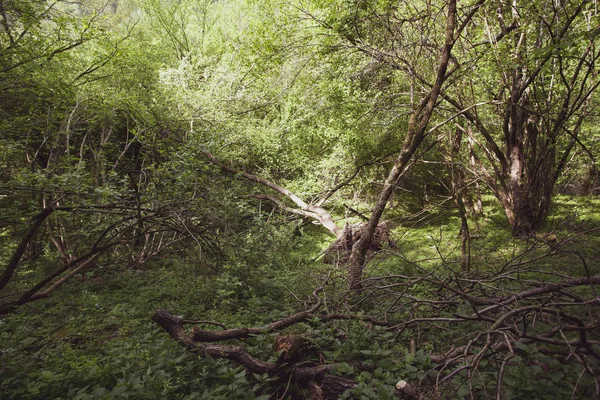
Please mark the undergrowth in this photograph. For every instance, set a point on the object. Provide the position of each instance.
(94, 338)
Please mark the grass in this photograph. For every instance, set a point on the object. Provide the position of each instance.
(575, 222)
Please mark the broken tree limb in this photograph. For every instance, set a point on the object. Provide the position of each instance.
(210, 336)
(290, 367)
(200, 335)
(316, 212)
(332, 386)
(339, 251)
(173, 325)
(548, 288)
(281, 205)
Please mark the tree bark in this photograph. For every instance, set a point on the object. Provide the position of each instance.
(414, 137)
(173, 325)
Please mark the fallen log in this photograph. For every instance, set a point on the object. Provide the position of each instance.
(318, 379)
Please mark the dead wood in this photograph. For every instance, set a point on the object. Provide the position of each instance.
(339, 251)
(173, 325)
(315, 212)
(296, 350)
(292, 347)
(209, 336)
(333, 385)
(484, 318)
(290, 367)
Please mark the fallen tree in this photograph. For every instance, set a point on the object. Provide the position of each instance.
(315, 212)
(320, 380)
(339, 251)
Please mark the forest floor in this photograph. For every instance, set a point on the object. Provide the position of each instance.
(94, 339)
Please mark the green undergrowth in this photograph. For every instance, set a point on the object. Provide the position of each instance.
(432, 240)
(94, 339)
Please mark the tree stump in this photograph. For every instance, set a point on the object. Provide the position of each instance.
(339, 251)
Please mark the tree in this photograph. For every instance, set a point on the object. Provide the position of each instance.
(88, 154)
(536, 73)
(365, 29)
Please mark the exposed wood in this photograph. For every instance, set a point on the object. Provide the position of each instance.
(174, 327)
(312, 211)
(314, 391)
(293, 348)
(317, 379)
(340, 250)
(407, 390)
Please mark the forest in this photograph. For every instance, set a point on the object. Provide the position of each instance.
(299, 199)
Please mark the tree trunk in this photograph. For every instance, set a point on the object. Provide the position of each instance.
(20, 250)
(414, 137)
(538, 100)
(477, 205)
(523, 221)
(460, 193)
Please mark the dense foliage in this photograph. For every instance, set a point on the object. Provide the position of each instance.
(206, 157)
